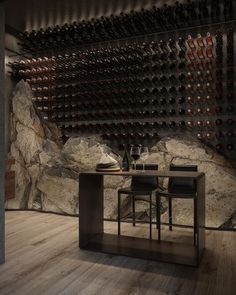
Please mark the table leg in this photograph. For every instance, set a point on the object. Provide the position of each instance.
(90, 207)
(200, 230)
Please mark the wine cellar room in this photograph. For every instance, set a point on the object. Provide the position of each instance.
(83, 83)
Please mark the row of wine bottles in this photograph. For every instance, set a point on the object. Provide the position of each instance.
(90, 103)
(147, 85)
(131, 92)
(48, 70)
(145, 54)
(92, 66)
(46, 74)
(130, 24)
(87, 102)
(133, 53)
(87, 73)
(149, 79)
(126, 115)
(78, 114)
(210, 126)
(97, 111)
(136, 81)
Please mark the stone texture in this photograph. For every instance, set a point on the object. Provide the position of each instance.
(220, 178)
(82, 154)
(230, 223)
(61, 190)
(48, 206)
(28, 142)
(23, 109)
(50, 154)
(34, 193)
(47, 171)
(53, 133)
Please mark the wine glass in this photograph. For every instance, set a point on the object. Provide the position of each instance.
(135, 154)
(144, 153)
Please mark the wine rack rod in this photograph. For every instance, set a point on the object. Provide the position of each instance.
(130, 38)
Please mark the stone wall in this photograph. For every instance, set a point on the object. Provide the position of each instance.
(47, 171)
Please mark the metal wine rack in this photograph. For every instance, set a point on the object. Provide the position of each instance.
(143, 88)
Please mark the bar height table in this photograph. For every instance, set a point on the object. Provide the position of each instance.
(91, 231)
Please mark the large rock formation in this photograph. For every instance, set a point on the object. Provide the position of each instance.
(47, 173)
(220, 178)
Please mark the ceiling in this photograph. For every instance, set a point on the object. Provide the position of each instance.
(33, 14)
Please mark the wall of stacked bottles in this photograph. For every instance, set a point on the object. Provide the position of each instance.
(150, 82)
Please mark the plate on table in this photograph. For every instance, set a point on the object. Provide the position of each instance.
(114, 169)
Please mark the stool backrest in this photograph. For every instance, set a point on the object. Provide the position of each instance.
(145, 182)
(181, 185)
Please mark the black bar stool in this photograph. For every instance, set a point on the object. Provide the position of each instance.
(180, 187)
(142, 186)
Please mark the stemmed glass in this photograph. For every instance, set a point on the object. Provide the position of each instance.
(135, 154)
(144, 153)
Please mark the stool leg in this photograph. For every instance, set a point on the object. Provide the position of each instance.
(195, 221)
(150, 220)
(118, 215)
(158, 212)
(170, 214)
(133, 209)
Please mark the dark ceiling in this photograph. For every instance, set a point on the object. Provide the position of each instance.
(33, 14)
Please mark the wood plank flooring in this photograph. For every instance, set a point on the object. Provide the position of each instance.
(43, 257)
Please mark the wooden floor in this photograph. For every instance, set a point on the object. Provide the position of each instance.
(42, 257)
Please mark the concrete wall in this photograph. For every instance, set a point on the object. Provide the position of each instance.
(2, 136)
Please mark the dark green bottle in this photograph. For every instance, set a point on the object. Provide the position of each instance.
(126, 160)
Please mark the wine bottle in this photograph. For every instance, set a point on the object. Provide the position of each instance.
(172, 100)
(209, 135)
(172, 124)
(181, 43)
(191, 55)
(230, 109)
(230, 122)
(190, 124)
(199, 135)
(181, 100)
(172, 112)
(181, 112)
(209, 39)
(172, 45)
(190, 100)
(199, 99)
(201, 54)
(163, 113)
(208, 123)
(200, 40)
(230, 134)
(200, 123)
(219, 147)
(230, 147)
(190, 42)
(218, 134)
(218, 122)
(182, 77)
(182, 124)
(209, 53)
